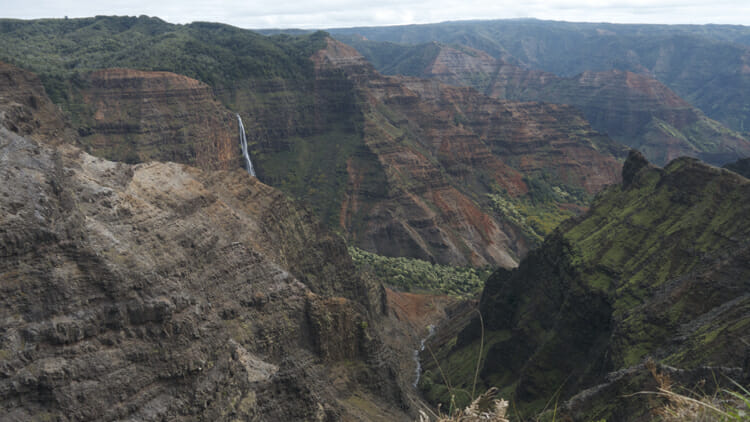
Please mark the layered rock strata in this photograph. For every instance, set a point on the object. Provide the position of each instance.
(162, 291)
(136, 116)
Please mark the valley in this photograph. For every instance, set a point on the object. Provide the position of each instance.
(205, 222)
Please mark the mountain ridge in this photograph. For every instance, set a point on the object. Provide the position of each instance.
(717, 56)
(633, 108)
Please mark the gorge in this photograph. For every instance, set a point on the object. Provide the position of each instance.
(147, 273)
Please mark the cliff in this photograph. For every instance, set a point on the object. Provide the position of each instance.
(658, 268)
(441, 150)
(162, 291)
(25, 108)
(136, 116)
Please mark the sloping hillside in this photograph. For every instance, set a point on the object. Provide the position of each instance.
(658, 268)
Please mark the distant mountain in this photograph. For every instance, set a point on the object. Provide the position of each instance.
(658, 268)
(402, 167)
(709, 66)
(634, 109)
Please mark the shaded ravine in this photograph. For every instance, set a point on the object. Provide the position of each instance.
(243, 145)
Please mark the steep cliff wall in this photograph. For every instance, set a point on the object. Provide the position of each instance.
(26, 109)
(441, 150)
(162, 291)
(138, 116)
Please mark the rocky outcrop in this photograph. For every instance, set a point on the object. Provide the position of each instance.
(136, 116)
(163, 291)
(658, 268)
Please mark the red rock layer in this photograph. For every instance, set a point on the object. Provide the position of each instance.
(432, 142)
(635, 109)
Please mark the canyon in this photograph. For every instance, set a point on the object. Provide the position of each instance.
(168, 291)
(148, 274)
(400, 166)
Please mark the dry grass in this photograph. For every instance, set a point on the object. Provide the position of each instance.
(484, 408)
(724, 406)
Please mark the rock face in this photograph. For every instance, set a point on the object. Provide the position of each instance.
(638, 111)
(136, 116)
(437, 147)
(161, 291)
(657, 268)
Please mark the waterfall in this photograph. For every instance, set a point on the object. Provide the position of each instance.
(243, 145)
(416, 354)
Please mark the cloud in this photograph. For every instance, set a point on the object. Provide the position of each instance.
(337, 13)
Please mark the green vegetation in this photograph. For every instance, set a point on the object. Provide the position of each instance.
(646, 234)
(310, 170)
(61, 50)
(411, 274)
(540, 211)
(657, 268)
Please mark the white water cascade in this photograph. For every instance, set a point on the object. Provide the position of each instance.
(243, 145)
(416, 354)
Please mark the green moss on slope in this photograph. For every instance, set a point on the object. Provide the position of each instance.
(659, 267)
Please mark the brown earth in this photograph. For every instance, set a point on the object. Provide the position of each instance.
(25, 108)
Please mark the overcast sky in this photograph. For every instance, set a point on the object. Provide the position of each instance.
(341, 13)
